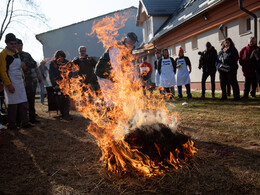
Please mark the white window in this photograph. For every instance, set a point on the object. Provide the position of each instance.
(183, 46)
(244, 25)
(170, 51)
(194, 42)
(223, 34)
(248, 24)
(149, 28)
(174, 50)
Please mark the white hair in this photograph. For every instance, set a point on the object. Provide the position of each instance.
(81, 47)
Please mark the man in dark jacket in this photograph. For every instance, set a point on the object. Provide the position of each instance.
(248, 68)
(86, 71)
(109, 67)
(32, 76)
(207, 62)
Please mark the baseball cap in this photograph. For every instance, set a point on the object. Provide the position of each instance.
(132, 36)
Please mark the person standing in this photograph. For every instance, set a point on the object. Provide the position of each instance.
(255, 60)
(146, 71)
(208, 64)
(167, 71)
(63, 101)
(12, 76)
(248, 68)
(44, 73)
(183, 77)
(111, 64)
(229, 57)
(86, 71)
(157, 76)
(30, 70)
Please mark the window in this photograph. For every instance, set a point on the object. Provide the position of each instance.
(173, 50)
(149, 29)
(183, 46)
(194, 42)
(244, 26)
(223, 34)
(248, 24)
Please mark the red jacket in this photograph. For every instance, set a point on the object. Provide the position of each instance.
(143, 66)
(244, 60)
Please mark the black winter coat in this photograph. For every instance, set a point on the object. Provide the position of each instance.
(208, 60)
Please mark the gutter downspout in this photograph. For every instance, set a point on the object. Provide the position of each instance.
(251, 14)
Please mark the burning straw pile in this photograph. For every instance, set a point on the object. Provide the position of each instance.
(150, 149)
(139, 135)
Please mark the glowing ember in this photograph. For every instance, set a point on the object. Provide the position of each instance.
(139, 134)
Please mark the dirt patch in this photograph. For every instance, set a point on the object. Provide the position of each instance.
(60, 157)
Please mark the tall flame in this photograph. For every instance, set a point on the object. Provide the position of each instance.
(133, 109)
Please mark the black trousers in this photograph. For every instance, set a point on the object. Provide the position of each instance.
(30, 92)
(205, 75)
(63, 102)
(17, 113)
(258, 78)
(229, 78)
(250, 81)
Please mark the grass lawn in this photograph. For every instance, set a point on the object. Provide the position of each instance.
(60, 157)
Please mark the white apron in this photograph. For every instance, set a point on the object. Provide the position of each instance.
(183, 77)
(167, 77)
(16, 77)
(157, 79)
(157, 76)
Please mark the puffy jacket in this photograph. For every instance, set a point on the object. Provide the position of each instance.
(230, 57)
(208, 60)
(244, 60)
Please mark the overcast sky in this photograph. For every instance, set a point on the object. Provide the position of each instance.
(62, 13)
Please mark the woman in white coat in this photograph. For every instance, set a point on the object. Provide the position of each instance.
(183, 77)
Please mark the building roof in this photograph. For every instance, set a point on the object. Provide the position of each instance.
(91, 19)
(187, 10)
(161, 7)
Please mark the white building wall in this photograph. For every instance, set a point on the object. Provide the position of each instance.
(157, 22)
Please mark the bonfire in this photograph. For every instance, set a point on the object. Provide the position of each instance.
(140, 134)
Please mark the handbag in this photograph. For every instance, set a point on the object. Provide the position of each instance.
(223, 67)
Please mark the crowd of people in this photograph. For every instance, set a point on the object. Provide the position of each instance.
(225, 62)
(20, 75)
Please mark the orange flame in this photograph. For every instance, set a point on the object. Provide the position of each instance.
(132, 109)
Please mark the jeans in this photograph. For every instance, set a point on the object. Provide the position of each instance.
(203, 82)
(42, 93)
(187, 91)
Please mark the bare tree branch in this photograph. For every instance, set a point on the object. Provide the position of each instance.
(3, 26)
(11, 13)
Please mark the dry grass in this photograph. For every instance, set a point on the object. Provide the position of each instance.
(59, 157)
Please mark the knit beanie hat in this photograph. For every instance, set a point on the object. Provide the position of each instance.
(10, 37)
(180, 50)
